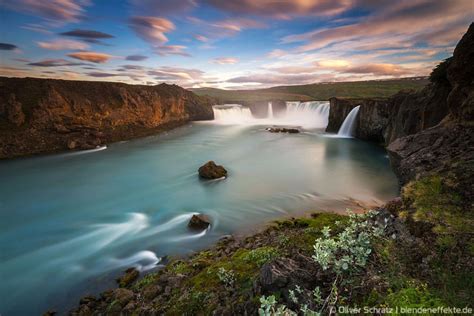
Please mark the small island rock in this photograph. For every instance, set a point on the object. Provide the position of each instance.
(212, 171)
(283, 130)
(199, 222)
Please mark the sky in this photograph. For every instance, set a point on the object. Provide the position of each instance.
(228, 44)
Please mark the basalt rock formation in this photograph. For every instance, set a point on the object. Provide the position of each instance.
(448, 145)
(212, 171)
(45, 115)
(259, 109)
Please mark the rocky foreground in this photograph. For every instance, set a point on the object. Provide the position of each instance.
(46, 115)
(415, 252)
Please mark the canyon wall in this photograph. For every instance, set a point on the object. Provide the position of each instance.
(46, 115)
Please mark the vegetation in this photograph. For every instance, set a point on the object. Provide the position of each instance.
(440, 73)
(317, 91)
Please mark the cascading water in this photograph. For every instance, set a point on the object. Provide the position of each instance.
(309, 115)
(270, 110)
(348, 126)
(232, 114)
(312, 114)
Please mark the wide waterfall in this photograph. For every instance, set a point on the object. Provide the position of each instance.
(232, 114)
(309, 115)
(270, 110)
(314, 114)
(348, 126)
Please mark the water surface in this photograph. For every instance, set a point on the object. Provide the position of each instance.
(69, 223)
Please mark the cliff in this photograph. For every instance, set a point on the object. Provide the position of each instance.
(425, 130)
(259, 109)
(371, 121)
(45, 115)
(448, 146)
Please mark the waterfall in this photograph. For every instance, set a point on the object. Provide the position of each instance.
(232, 114)
(309, 115)
(348, 126)
(270, 110)
(312, 114)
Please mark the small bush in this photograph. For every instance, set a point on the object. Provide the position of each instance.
(440, 73)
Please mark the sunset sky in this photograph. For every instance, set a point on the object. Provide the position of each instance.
(228, 44)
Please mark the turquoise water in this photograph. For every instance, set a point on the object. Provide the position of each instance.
(71, 222)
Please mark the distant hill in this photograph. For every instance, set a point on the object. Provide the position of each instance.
(318, 91)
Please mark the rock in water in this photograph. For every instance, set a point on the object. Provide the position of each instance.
(283, 130)
(212, 171)
(199, 222)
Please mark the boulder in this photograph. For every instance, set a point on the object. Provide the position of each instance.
(283, 130)
(130, 276)
(199, 222)
(212, 171)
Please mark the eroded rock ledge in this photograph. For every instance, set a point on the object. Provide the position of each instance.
(46, 115)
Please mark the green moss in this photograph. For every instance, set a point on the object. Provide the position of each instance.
(180, 267)
(435, 200)
(414, 295)
(146, 280)
(259, 256)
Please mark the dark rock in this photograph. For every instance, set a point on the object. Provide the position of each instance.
(414, 111)
(130, 276)
(199, 222)
(212, 171)
(152, 291)
(435, 149)
(259, 109)
(338, 110)
(460, 74)
(122, 296)
(282, 130)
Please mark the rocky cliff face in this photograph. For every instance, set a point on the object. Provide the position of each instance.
(448, 145)
(259, 109)
(371, 121)
(338, 111)
(44, 115)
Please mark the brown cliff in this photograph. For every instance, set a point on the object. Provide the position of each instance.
(45, 115)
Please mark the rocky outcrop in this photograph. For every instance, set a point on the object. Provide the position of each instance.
(259, 109)
(338, 111)
(199, 222)
(371, 121)
(451, 142)
(45, 115)
(212, 171)
(283, 130)
(414, 111)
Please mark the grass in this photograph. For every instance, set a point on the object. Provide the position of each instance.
(317, 91)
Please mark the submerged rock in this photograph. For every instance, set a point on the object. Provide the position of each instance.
(212, 171)
(199, 222)
(283, 130)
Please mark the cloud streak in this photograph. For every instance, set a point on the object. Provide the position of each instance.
(98, 58)
(51, 10)
(62, 44)
(151, 29)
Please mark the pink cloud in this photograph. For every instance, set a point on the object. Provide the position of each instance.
(283, 8)
(63, 45)
(52, 10)
(98, 58)
(164, 50)
(225, 60)
(151, 29)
